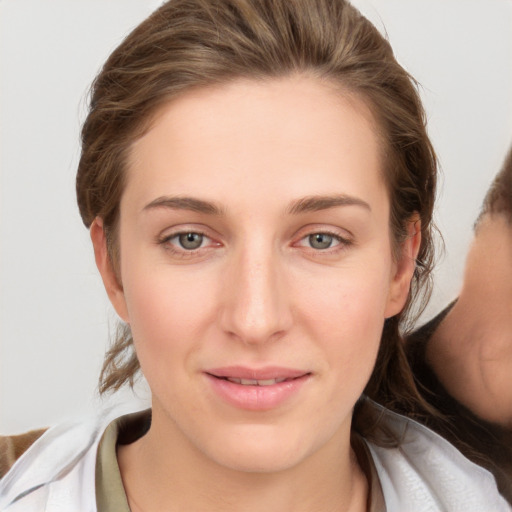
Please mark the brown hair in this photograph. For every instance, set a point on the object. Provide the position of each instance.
(498, 200)
(194, 43)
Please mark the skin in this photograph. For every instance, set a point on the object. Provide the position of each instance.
(471, 351)
(255, 293)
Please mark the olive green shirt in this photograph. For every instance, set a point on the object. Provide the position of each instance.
(110, 493)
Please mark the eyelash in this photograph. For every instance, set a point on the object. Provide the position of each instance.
(181, 251)
(341, 245)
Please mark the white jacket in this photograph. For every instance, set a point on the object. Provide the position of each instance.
(425, 473)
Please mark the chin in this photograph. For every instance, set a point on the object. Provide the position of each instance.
(259, 461)
(260, 449)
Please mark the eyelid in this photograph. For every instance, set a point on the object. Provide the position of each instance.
(172, 234)
(183, 228)
(166, 235)
(204, 239)
(336, 237)
(312, 229)
(344, 238)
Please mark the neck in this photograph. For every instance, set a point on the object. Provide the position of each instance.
(471, 351)
(163, 471)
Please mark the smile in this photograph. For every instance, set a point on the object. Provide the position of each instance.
(254, 382)
(257, 390)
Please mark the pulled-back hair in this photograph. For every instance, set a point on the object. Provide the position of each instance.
(498, 200)
(188, 44)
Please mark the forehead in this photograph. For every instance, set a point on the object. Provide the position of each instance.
(292, 136)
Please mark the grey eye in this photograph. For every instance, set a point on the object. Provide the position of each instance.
(320, 240)
(190, 241)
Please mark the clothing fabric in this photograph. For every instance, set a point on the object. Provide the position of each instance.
(110, 492)
(423, 473)
(13, 447)
(485, 443)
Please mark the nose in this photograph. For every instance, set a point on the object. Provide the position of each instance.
(256, 307)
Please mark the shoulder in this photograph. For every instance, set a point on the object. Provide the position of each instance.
(423, 471)
(54, 465)
(485, 443)
(12, 447)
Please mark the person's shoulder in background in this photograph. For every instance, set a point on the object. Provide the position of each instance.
(13, 447)
(485, 443)
(462, 359)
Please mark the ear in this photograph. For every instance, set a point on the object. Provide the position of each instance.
(404, 268)
(108, 275)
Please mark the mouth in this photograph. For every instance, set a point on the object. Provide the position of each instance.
(257, 390)
(267, 376)
(256, 382)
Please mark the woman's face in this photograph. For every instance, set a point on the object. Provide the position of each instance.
(256, 267)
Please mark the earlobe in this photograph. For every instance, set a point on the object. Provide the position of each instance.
(404, 268)
(111, 282)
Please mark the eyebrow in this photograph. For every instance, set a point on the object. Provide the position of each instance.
(303, 205)
(185, 203)
(318, 203)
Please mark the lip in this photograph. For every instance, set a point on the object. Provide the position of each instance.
(256, 397)
(269, 372)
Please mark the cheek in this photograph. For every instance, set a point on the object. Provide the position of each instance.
(345, 314)
(167, 309)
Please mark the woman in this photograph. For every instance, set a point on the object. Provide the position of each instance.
(258, 184)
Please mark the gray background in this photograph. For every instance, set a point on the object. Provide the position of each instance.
(54, 316)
